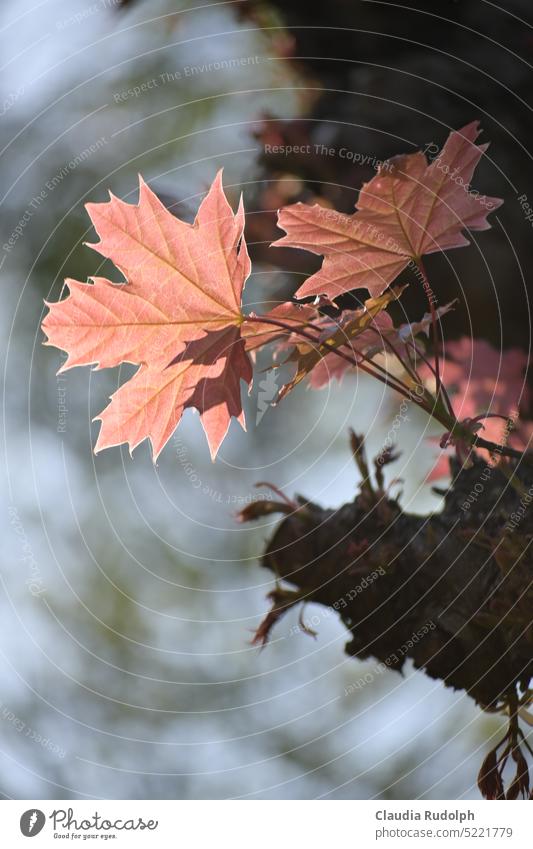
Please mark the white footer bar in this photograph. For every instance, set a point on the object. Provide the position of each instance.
(265, 824)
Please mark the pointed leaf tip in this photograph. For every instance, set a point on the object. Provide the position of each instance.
(182, 292)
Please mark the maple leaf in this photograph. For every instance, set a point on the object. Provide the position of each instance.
(409, 209)
(372, 332)
(355, 326)
(178, 317)
(481, 379)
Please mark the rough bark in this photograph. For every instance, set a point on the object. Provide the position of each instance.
(461, 576)
(452, 591)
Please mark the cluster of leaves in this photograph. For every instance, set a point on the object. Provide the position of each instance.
(179, 315)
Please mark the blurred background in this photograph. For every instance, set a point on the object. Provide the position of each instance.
(129, 592)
